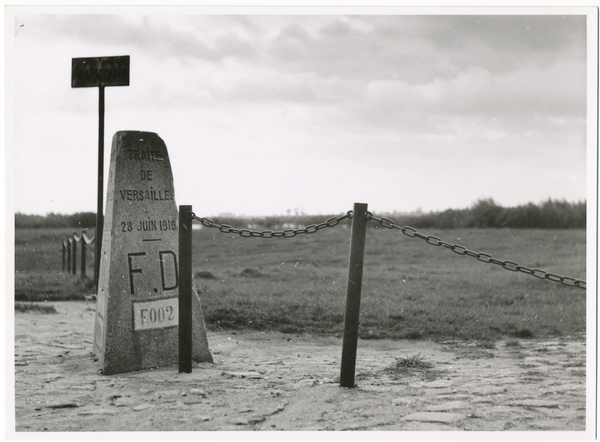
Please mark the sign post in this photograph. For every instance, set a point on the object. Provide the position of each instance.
(100, 72)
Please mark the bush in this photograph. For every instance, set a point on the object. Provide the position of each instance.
(485, 213)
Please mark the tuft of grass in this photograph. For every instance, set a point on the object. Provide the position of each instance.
(204, 275)
(513, 344)
(34, 307)
(251, 273)
(409, 364)
(523, 333)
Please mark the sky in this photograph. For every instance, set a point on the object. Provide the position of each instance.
(271, 111)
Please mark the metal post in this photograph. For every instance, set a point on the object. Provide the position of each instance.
(99, 217)
(64, 254)
(355, 274)
(185, 289)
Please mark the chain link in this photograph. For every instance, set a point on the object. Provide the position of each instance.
(287, 233)
(483, 257)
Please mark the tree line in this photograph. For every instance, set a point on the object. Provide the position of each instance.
(80, 220)
(485, 213)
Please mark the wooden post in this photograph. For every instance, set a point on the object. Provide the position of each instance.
(69, 247)
(83, 263)
(355, 274)
(74, 255)
(64, 254)
(185, 289)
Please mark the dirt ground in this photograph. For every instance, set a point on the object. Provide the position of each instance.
(273, 381)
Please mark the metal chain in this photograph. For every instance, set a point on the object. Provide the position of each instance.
(287, 233)
(408, 231)
(83, 236)
(483, 257)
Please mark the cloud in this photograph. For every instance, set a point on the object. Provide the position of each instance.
(163, 37)
(418, 49)
(407, 98)
(521, 99)
(341, 49)
(381, 70)
(520, 34)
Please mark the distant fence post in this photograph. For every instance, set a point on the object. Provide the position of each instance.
(69, 247)
(83, 263)
(64, 254)
(69, 252)
(74, 256)
(355, 274)
(185, 289)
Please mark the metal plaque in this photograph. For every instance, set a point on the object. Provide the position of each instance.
(100, 71)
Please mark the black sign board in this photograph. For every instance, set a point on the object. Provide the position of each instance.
(100, 71)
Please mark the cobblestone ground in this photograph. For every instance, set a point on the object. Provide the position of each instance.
(272, 381)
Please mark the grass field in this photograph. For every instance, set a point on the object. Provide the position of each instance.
(38, 267)
(410, 289)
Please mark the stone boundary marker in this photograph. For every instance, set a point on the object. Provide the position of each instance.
(136, 324)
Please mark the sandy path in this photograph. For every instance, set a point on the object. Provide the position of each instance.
(273, 381)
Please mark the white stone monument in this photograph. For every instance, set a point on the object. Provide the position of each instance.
(137, 315)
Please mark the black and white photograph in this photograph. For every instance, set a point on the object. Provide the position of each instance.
(363, 222)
